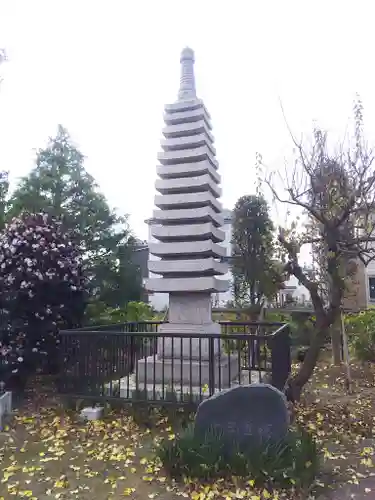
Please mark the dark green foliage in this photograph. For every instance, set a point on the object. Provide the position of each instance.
(361, 330)
(4, 189)
(115, 278)
(302, 327)
(98, 313)
(255, 273)
(291, 463)
(42, 290)
(60, 186)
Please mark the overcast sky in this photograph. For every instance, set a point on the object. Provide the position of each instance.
(105, 69)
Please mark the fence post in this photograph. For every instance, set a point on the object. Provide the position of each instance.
(280, 358)
(211, 365)
(133, 353)
(61, 362)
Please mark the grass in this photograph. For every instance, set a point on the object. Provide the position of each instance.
(292, 462)
(47, 453)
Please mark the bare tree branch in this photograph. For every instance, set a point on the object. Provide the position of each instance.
(336, 192)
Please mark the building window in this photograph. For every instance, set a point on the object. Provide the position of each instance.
(371, 286)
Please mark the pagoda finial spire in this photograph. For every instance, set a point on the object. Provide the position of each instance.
(187, 79)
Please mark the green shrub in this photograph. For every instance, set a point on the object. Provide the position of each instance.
(139, 311)
(361, 331)
(98, 313)
(277, 316)
(302, 326)
(291, 462)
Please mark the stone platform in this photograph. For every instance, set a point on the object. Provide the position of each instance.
(187, 371)
(130, 388)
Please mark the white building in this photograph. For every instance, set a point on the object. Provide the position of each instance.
(370, 283)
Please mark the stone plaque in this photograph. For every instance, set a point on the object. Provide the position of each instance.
(247, 414)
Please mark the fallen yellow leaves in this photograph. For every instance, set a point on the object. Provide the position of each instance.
(128, 491)
(49, 452)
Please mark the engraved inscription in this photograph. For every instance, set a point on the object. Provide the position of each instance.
(245, 414)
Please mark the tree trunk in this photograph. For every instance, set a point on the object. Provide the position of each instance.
(346, 356)
(336, 342)
(296, 383)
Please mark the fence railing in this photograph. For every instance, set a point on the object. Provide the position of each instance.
(227, 327)
(130, 326)
(136, 363)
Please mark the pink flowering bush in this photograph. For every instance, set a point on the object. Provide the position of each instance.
(42, 290)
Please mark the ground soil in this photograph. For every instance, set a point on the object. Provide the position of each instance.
(47, 452)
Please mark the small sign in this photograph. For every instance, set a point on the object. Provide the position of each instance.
(245, 415)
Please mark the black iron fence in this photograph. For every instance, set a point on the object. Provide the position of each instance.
(130, 326)
(135, 362)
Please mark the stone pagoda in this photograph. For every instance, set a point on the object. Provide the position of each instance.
(186, 227)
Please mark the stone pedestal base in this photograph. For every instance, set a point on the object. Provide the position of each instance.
(177, 372)
(193, 343)
(131, 389)
(190, 352)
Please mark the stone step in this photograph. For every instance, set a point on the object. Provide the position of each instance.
(130, 388)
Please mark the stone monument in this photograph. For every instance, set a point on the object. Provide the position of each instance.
(245, 415)
(187, 231)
